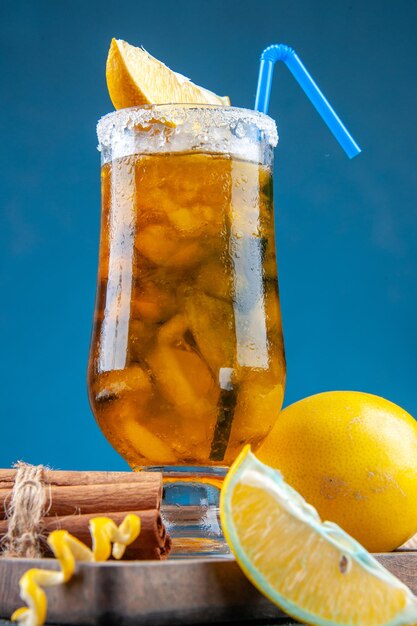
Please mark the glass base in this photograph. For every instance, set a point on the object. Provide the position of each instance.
(190, 510)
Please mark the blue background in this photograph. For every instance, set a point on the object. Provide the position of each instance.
(346, 230)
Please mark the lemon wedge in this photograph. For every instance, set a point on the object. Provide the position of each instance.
(311, 569)
(135, 78)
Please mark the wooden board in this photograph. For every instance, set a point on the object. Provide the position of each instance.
(149, 593)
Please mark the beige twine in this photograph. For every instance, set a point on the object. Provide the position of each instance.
(24, 513)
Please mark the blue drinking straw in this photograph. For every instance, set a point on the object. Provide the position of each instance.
(263, 92)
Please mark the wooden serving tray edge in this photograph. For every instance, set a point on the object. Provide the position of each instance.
(155, 593)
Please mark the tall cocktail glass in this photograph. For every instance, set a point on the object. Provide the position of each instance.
(187, 359)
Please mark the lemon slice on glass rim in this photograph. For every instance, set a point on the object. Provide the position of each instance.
(311, 569)
(135, 78)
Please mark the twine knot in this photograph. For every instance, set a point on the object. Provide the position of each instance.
(24, 513)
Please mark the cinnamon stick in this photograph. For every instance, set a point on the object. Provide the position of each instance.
(65, 478)
(153, 541)
(97, 498)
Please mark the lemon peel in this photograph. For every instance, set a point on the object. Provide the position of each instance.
(68, 550)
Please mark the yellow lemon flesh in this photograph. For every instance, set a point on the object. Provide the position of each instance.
(353, 456)
(135, 78)
(312, 570)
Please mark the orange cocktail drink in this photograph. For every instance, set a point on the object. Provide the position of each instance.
(187, 359)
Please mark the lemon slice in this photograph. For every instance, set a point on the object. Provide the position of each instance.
(134, 78)
(313, 570)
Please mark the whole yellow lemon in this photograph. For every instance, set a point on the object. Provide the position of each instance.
(353, 456)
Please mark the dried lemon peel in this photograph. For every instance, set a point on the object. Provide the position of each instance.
(68, 550)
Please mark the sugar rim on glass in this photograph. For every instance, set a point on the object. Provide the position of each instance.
(215, 117)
